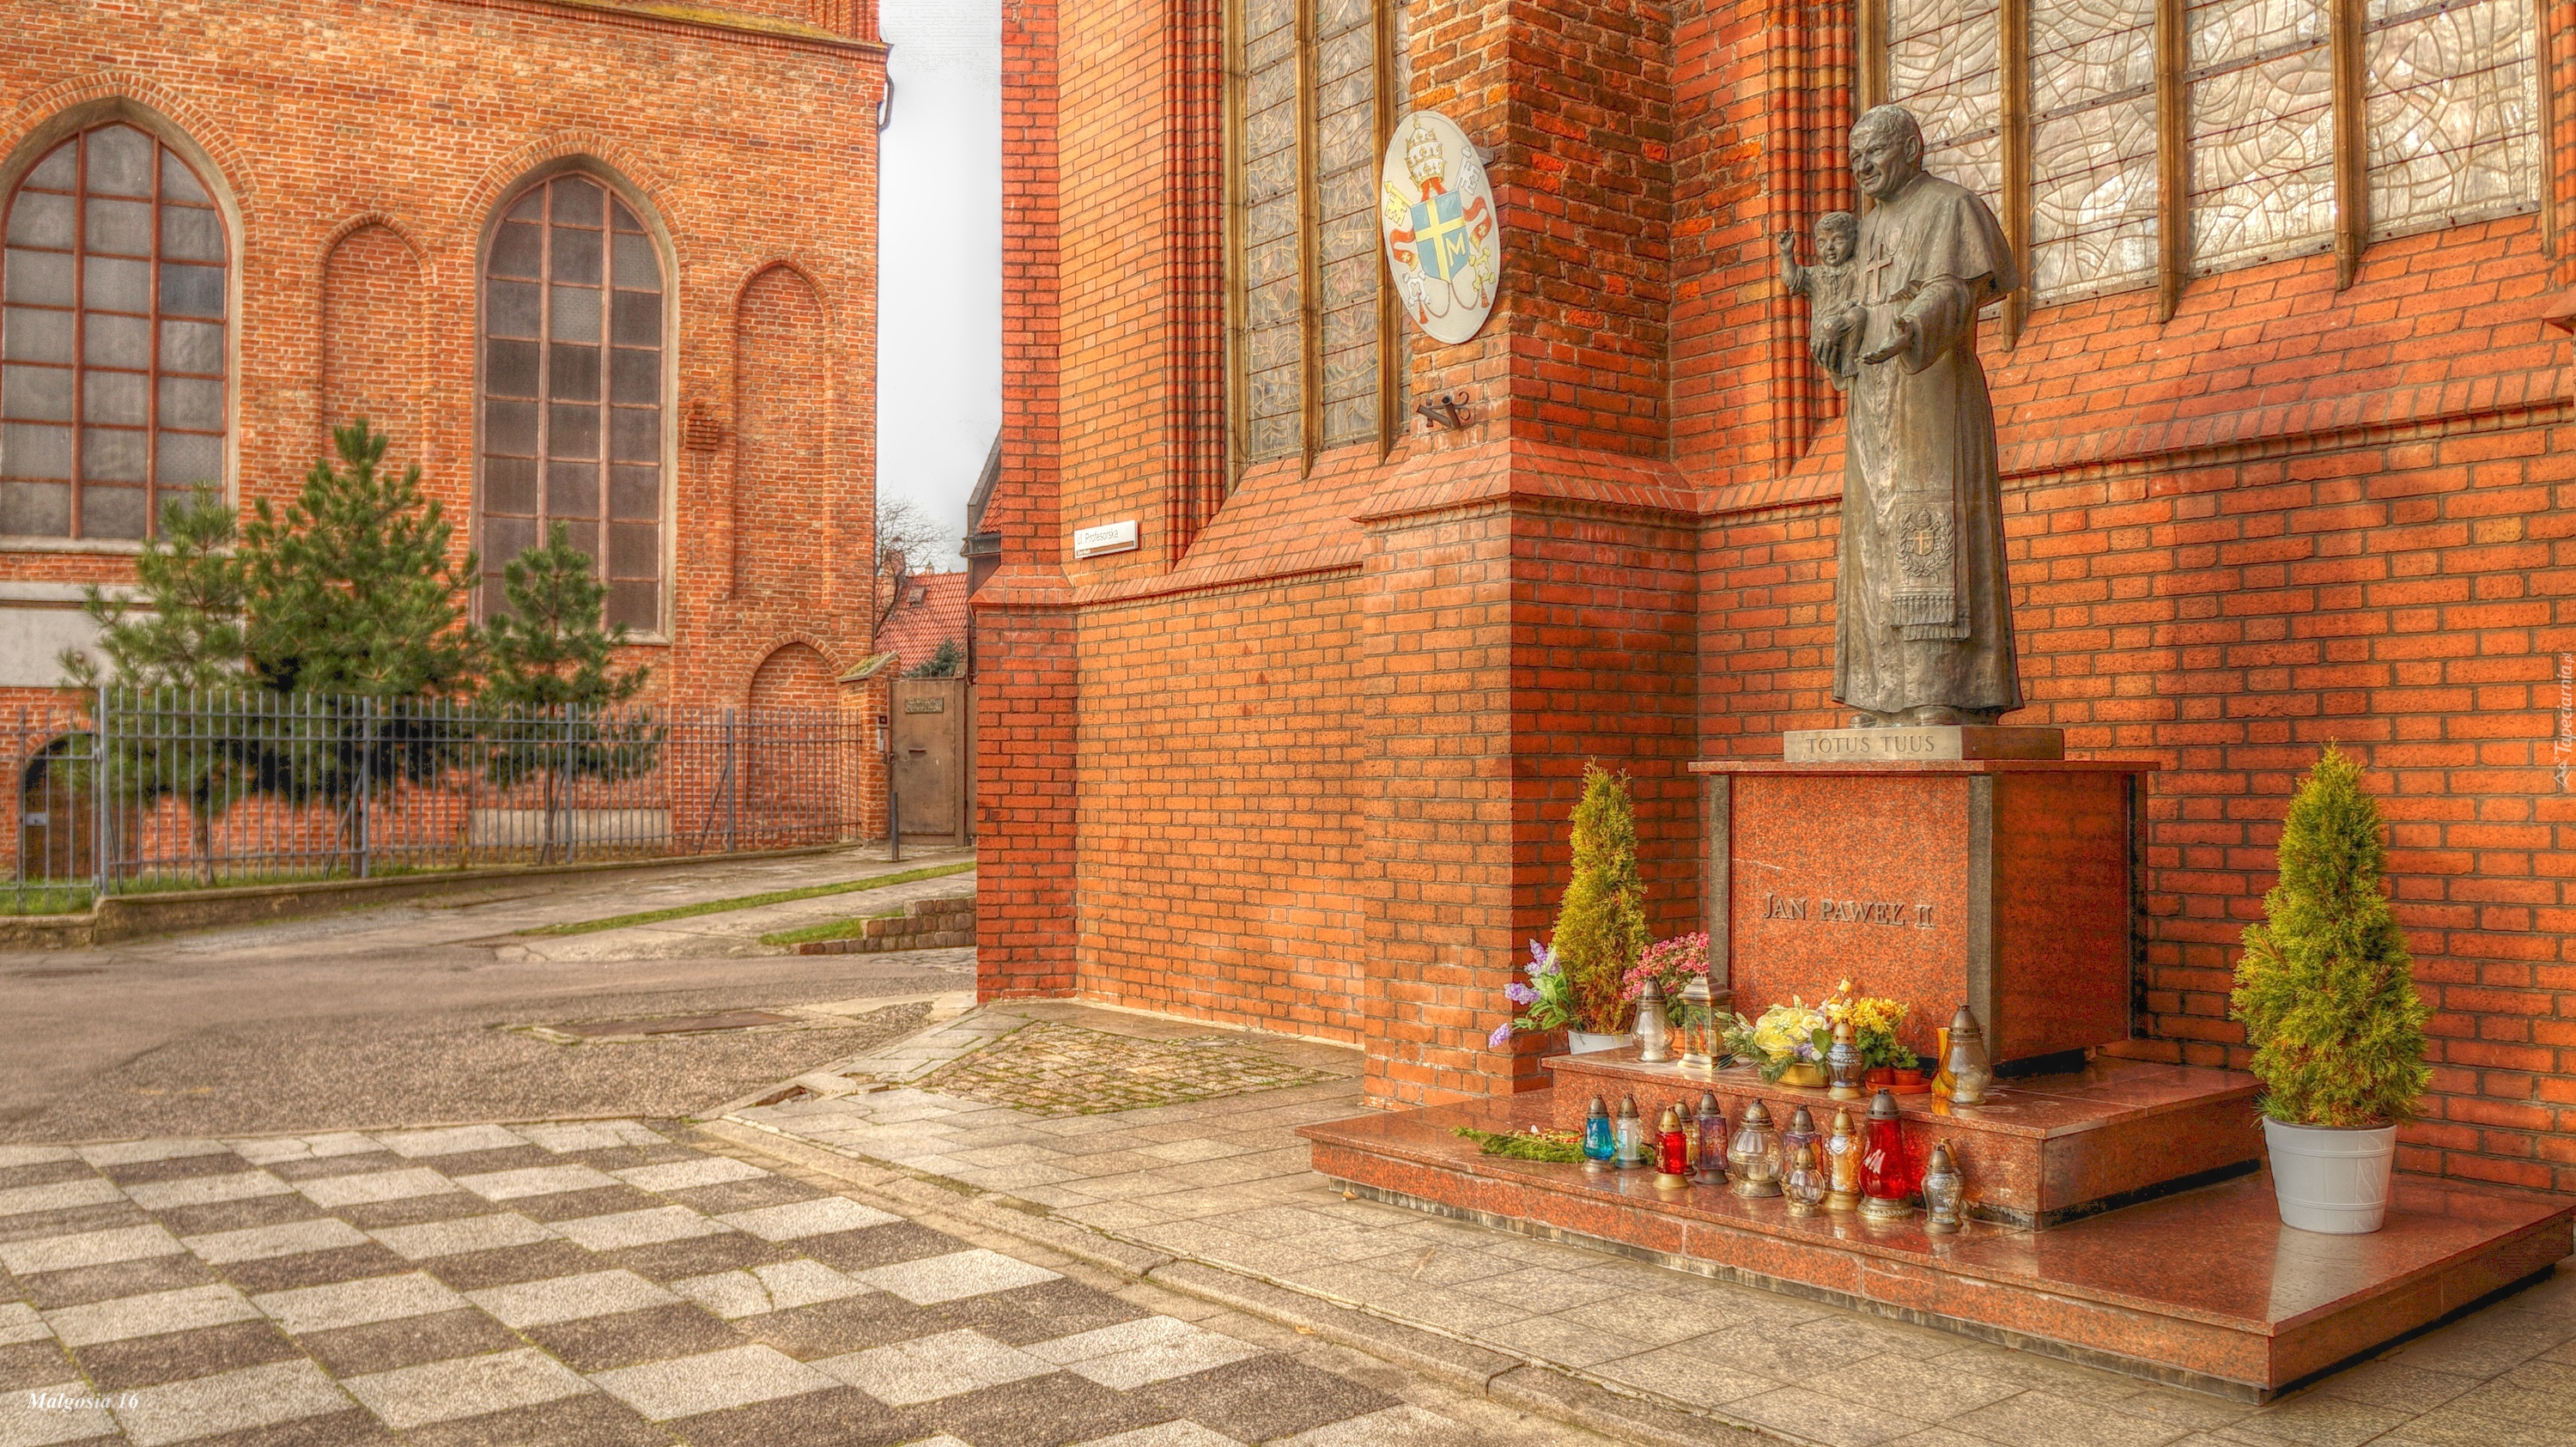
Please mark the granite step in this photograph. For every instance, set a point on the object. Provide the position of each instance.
(2204, 1288)
(2041, 1151)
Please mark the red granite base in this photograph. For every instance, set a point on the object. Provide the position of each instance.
(2205, 1288)
(2041, 1151)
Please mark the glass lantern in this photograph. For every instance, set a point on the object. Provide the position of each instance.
(1599, 1145)
(1842, 1165)
(1844, 1064)
(1886, 1177)
(1801, 1132)
(1804, 1185)
(1753, 1157)
(1654, 1027)
(1672, 1151)
(1944, 1193)
(1712, 1141)
(1698, 1025)
(1630, 1135)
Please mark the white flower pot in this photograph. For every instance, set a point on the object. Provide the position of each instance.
(2329, 1179)
(1584, 1042)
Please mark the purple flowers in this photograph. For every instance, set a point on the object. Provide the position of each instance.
(1520, 994)
(1501, 1036)
(1545, 995)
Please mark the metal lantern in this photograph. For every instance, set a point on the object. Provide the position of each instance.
(1844, 1063)
(1699, 1025)
(1712, 1141)
(1944, 1193)
(1971, 1073)
(1801, 1132)
(1654, 1028)
(1805, 1185)
(1753, 1157)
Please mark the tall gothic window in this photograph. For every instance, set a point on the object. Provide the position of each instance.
(2132, 143)
(1315, 97)
(112, 339)
(572, 391)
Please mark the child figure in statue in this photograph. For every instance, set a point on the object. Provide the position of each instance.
(1830, 289)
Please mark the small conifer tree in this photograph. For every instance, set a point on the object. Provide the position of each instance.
(1601, 925)
(182, 629)
(178, 637)
(351, 588)
(2326, 988)
(946, 661)
(553, 678)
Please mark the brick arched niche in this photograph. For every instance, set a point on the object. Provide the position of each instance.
(371, 335)
(794, 676)
(784, 442)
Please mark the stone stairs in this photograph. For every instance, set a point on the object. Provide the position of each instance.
(925, 924)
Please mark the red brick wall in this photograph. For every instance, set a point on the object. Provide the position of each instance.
(2289, 514)
(363, 144)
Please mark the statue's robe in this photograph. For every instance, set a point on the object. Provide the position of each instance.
(1922, 612)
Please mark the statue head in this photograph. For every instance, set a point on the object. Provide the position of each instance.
(1886, 150)
(1837, 237)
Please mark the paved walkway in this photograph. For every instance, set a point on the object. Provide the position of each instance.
(1213, 1193)
(585, 1284)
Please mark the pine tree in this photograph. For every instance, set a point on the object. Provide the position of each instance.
(1601, 925)
(2326, 988)
(947, 661)
(351, 590)
(164, 650)
(552, 678)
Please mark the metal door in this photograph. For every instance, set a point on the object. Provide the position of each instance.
(929, 765)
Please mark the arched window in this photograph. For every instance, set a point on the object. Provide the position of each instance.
(112, 340)
(572, 391)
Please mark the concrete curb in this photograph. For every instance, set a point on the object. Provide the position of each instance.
(1543, 1388)
(134, 916)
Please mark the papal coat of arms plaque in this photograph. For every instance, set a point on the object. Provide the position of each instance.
(1443, 247)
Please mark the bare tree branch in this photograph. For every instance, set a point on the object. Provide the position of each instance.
(905, 539)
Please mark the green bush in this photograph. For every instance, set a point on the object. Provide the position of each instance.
(2326, 988)
(1601, 925)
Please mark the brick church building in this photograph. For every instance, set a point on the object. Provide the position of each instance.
(2288, 446)
(605, 264)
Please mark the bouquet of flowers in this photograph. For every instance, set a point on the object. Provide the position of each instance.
(1874, 1023)
(1549, 996)
(1671, 964)
(1793, 1034)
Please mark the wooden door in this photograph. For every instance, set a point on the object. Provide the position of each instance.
(930, 758)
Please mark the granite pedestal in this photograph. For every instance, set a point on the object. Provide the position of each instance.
(2005, 884)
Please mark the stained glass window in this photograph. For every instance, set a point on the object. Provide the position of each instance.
(1944, 63)
(112, 344)
(1309, 119)
(1346, 160)
(2454, 131)
(2092, 147)
(2262, 131)
(2449, 130)
(1273, 280)
(572, 391)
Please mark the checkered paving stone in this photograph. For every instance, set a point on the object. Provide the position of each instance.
(591, 1283)
(1052, 1069)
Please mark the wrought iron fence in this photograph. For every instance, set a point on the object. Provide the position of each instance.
(125, 791)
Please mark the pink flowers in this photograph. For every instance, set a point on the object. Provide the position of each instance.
(1671, 964)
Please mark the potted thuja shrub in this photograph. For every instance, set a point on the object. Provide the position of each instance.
(2326, 991)
(1576, 982)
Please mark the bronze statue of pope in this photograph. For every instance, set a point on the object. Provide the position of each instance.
(1923, 614)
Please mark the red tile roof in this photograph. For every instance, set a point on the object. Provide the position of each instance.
(933, 607)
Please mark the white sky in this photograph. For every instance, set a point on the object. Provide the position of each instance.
(939, 287)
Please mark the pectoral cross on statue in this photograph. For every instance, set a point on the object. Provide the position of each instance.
(1874, 272)
(1925, 537)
